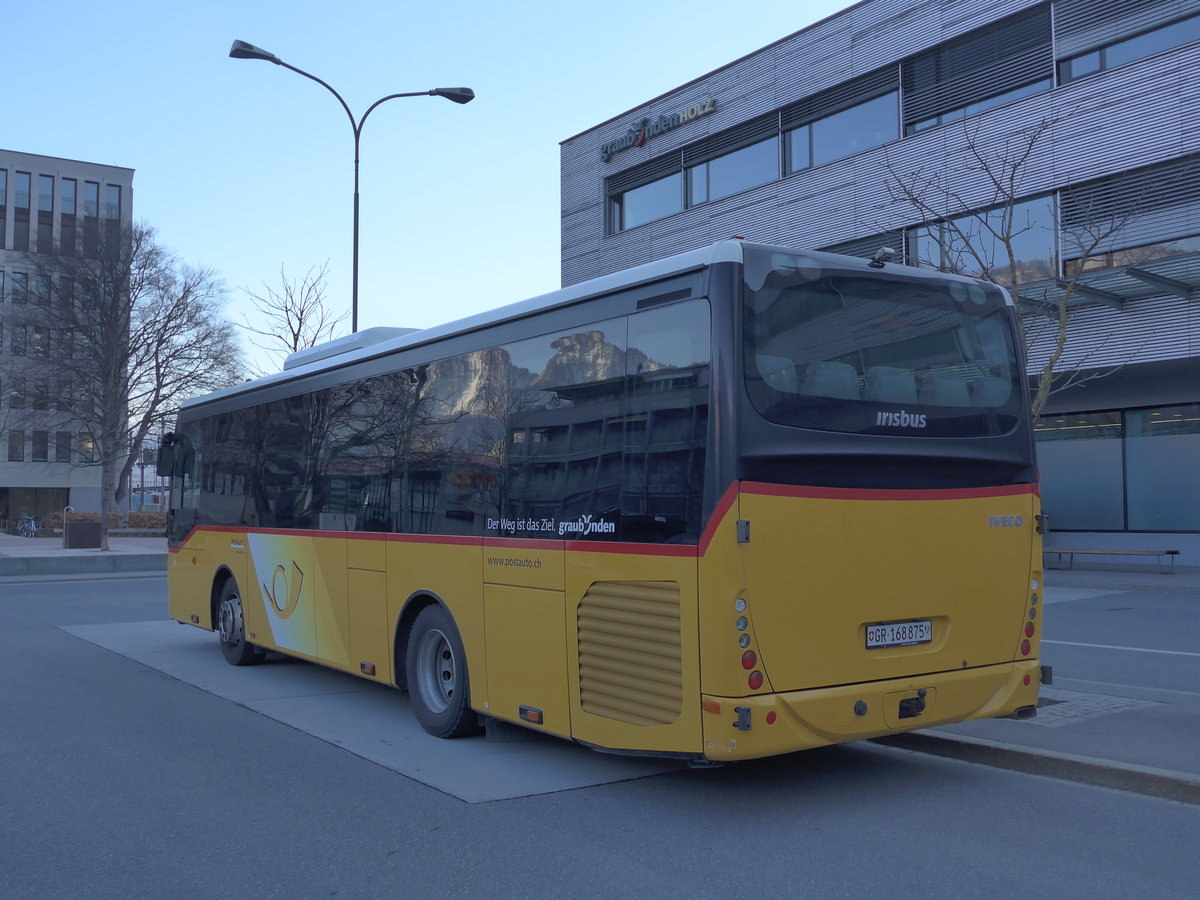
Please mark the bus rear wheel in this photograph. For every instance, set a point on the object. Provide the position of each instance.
(436, 668)
(231, 626)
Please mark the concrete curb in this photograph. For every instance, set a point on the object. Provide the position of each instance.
(1146, 780)
(77, 564)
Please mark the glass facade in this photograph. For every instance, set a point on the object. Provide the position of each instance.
(1131, 470)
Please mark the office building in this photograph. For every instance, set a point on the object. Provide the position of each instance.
(910, 124)
(47, 205)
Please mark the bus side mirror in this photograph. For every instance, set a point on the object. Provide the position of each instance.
(166, 456)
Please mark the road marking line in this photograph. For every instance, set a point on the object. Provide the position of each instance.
(1130, 687)
(1130, 649)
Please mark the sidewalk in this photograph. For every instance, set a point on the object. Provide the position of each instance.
(1136, 739)
(41, 556)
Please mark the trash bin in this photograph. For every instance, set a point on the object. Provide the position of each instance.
(81, 535)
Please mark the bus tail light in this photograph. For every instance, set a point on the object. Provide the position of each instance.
(749, 659)
(1025, 648)
(755, 680)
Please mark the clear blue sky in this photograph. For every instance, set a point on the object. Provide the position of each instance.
(244, 166)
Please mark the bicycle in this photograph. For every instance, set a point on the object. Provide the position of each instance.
(27, 527)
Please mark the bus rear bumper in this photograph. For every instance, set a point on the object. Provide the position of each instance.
(769, 724)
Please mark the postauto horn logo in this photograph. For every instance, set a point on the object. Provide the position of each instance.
(647, 128)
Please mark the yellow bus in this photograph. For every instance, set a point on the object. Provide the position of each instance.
(739, 502)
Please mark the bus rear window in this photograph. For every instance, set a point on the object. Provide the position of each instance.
(872, 353)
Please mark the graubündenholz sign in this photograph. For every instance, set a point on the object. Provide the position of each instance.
(649, 127)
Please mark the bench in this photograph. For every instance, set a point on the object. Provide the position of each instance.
(1071, 552)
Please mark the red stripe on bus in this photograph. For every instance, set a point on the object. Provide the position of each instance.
(524, 543)
(676, 550)
(718, 515)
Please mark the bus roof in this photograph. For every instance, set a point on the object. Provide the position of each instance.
(384, 340)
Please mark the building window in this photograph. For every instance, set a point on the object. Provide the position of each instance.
(2, 295)
(856, 129)
(20, 287)
(66, 226)
(40, 446)
(87, 448)
(41, 290)
(977, 244)
(655, 200)
(112, 201)
(21, 189)
(1145, 214)
(46, 193)
(16, 445)
(979, 106)
(992, 62)
(65, 394)
(3, 206)
(18, 340)
(734, 172)
(1132, 256)
(41, 394)
(68, 196)
(62, 446)
(1141, 46)
(91, 198)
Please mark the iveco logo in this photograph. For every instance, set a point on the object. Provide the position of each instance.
(1005, 521)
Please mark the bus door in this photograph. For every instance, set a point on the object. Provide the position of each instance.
(188, 572)
(524, 613)
(365, 603)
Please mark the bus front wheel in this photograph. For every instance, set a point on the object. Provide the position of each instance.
(436, 668)
(231, 626)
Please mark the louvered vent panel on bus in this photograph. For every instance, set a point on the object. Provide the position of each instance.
(629, 652)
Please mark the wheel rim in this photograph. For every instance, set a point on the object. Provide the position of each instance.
(436, 676)
(229, 620)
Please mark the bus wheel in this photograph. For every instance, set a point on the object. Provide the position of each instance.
(232, 629)
(436, 667)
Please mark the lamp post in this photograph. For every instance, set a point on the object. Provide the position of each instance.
(242, 50)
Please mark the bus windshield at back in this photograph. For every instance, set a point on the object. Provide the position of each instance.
(865, 352)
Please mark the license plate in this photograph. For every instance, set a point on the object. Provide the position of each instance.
(900, 634)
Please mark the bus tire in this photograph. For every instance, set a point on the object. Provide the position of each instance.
(231, 627)
(435, 666)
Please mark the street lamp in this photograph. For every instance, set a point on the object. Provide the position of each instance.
(242, 50)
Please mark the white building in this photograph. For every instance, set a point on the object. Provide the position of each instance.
(47, 205)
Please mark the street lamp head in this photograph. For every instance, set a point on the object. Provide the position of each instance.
(458, 94)
(242, 50)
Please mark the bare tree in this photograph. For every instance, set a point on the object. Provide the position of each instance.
(134, 331)
(981, 222)
(294, 316)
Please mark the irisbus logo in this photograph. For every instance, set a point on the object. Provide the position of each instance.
(902, 419)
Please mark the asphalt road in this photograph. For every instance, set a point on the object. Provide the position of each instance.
(119, 780)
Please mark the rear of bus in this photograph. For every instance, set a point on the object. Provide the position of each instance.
(874, 567)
